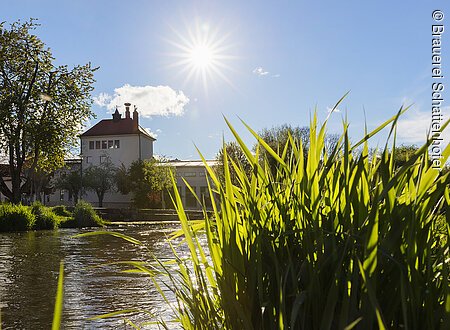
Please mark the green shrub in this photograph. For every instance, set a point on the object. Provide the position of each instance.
(16, 218)
(331, 241)
(68, 223)
(84, 215)
(45, 218)
(61, 210)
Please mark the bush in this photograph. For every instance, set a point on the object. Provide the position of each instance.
(61, 210)
(68, 223)
(45, 217)
(16, 218)
(329, 240)
(84, 216)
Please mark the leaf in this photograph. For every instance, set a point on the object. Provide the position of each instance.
(56, 324)
(111, 233)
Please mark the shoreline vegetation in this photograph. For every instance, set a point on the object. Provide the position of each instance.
(20, 217)
(325, 240)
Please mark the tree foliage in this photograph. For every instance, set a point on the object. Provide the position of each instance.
(70, 181)
(42, 106)
(100, 179)
(403, 153)
(278, 137)
(237, 156)
(145, 180)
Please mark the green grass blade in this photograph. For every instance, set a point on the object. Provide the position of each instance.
(110, 233)
(57, 314)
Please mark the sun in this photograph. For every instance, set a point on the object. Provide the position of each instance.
(201, 57)
(202, 54)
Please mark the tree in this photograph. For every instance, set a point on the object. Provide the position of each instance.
(234, 153)
(100, 179)
(278, 136)
(122, 180)
(146, 179)
(71, 182)
(403, 153)
(42, 106)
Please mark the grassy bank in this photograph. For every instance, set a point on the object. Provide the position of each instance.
(337, 240)
(37, 217)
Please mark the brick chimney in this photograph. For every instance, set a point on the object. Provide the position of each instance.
(135, 118)
(127, 111)
(116, 115)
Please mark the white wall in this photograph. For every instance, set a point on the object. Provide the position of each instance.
(146, 147)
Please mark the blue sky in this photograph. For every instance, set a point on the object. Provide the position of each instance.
(276, 61)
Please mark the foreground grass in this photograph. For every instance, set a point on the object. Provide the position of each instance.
(326, 241)
(329, 241)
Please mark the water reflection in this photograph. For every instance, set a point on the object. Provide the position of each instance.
(29, 264)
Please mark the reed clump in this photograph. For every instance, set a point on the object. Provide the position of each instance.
(329, 240)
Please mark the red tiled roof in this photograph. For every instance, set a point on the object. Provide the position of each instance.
(116, 127)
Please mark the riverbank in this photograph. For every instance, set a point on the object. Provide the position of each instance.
(40, 217)
(128, 215)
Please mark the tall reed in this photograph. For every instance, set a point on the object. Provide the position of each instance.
(334, 240)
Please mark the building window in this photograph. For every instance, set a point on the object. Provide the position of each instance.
(103, 159)
(104, 144)
(110, 144)
(88, 159)
(116, 144)
(91, 144)
(97, 144)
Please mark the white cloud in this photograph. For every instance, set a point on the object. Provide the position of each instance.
(150, 100)
(102, 99)
(330, 109)
(260, 71)
(413, 127)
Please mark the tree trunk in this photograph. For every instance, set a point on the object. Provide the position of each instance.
(100, 199)
(16, 194)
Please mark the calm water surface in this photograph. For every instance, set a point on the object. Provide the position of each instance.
(29, 264)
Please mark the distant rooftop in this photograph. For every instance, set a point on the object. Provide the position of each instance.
(191, 163)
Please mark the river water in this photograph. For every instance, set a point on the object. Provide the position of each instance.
(29, 265)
